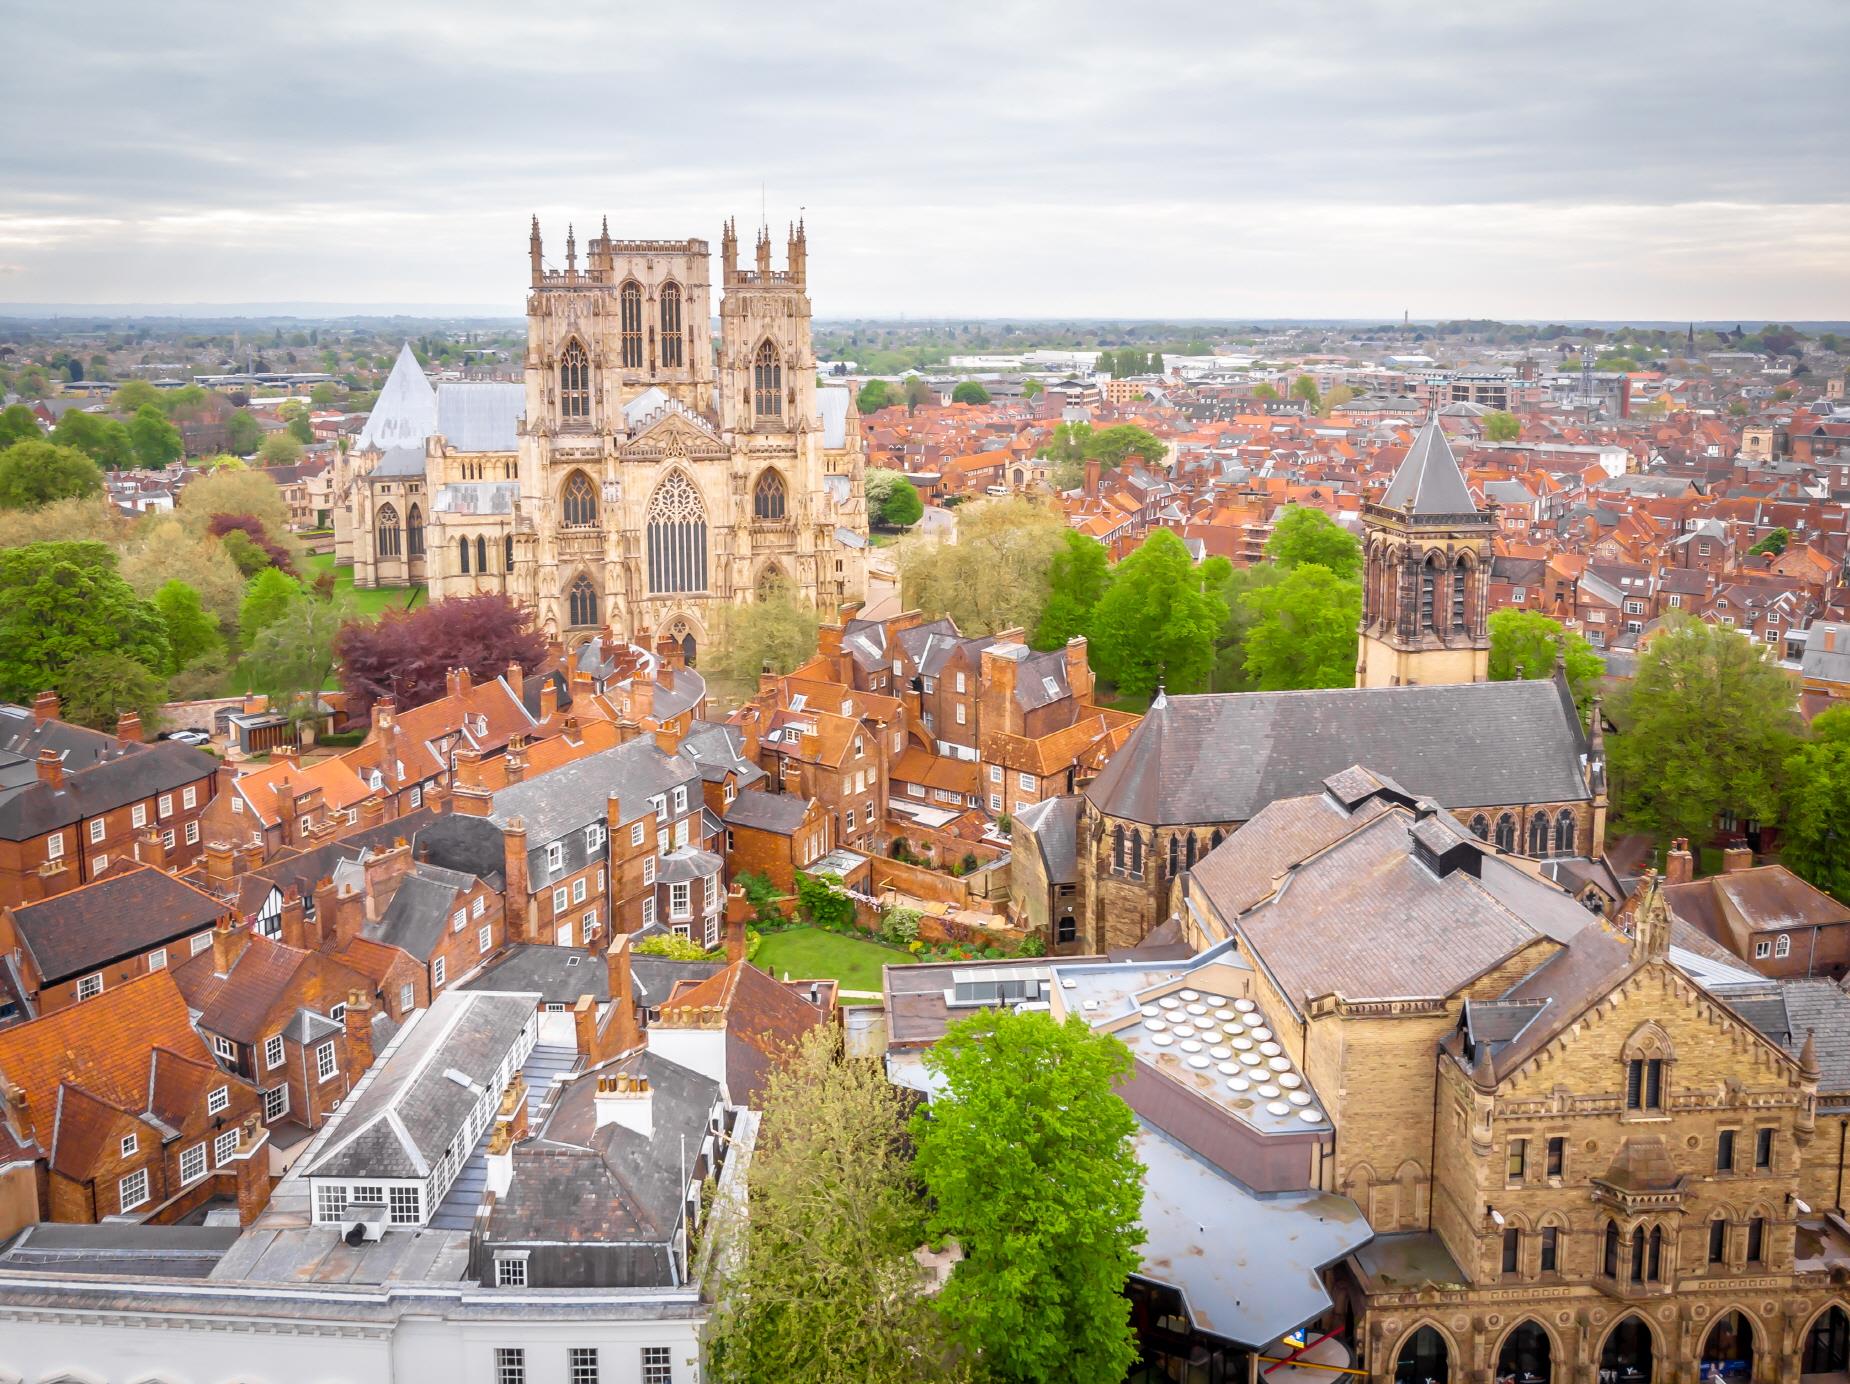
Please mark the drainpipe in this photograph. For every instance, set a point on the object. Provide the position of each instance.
(1843, 1137)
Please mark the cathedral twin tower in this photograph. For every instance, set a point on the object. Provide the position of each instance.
(638, 475)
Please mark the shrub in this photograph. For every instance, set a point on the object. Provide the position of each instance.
(673, 946)
(900, 926)
(967, 866)
(820, 900)
(1032, 945)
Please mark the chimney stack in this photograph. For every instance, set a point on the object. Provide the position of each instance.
(1736, 859)
(359, 1022)
(516, 678)
(514, 871)
(738, 914)
(51, 767)
(625, 1100)
(228, 944)
(1679, 864)
(549, 698)
(45, 707)
(219, 859)
(294, 921)
(128, 728)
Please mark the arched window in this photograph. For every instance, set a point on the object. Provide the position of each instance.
(578, 502)
(1564, 832)
(1422, 1359)
(1626, 1358)
(1117, 847)
(1827, 1344)
(1655, 1271)
(671, 326)
(1215, 840)
(1480, 827)
(414, 533)
(1526, 1357)
(676, 527)
(1538, 834)
(1429, 582)
(462, 550)
(629, 322)
(1137, 854)
(1506, 832)
(581, 602)
(1638, 1265)
(509, 545)
(1460, 583)
(1175, 855)
(387, 530)
(1610, 1265)
(1728, 1349)
(768, 497)
(574, 381)
(767, 382)
(1188, 851)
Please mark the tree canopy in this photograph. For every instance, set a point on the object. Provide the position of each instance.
(1303, 630)
(1028, 1160)
(279, 449)
(892, 500)
(18, 424)
(1502, 427)
(33, 474)
(1815, 821)
(292, 658)
(243, 433)
(876, 395)
(103, 440)
(994, 577)
(156, 441)
(1707, 723)
(408, 654)
(265, 599)
(62, 601)
(1076, 581)
(777, 630)
(96, 688)
(1158, 619)
(191, 632)
(234, 491)
(969, 392)
(1303, 535)
(1526, 644)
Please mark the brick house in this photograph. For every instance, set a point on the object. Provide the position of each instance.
(774, 835)
(284, 804)
(1766, 915)
(73, 801)
(122, 1108)
(275, 1016)
(80, 945)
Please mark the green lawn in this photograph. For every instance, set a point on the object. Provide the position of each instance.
(808, 953)
(372, 603)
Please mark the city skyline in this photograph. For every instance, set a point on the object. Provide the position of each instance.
(1559, 162)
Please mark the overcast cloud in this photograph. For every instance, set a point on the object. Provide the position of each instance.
(1206, 159)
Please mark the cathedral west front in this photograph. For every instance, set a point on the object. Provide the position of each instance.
(642, 471)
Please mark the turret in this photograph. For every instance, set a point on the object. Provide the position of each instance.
(764, 252)
(798, 254)
(729, 251)
(571, 250)
(533, 250)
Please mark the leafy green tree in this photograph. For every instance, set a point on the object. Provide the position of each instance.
(1031, 390)
(918, 392)
(1708, 722)
(103, 440)
(1115, 445)
(777, 629)
(156, 441)
(1774, 543)
(265, 600)
(1157, 622)
(1305, 388)
(1029, 1162)
(300, 429)
(995, 576)
(1502, 427)
(18, 424)
(292, 657)
(1304, 630)
(244, 552)
(1230, 648)
(876, 395)
(279, 449)
(324, 395)
(1526, 644)
(823, 1288)
(38, 473)
(191, 632)
(243, 433)
(1265, 390)
(1336, 398)
(900, 505)
(134, 395)
(1815, 822)
(1076, 581)
(95, 689)
(186, 403)
(969, 392)
(61, 601)
(163, 549)
(1303, 535)
(204, 677)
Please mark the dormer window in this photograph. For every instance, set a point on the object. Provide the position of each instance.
(375, 780)
(555, 855)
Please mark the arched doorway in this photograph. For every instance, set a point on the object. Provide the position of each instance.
(1728, 1349)
(1627, 1356)
(1526, 1357)
(1827, 1344)
(1423, 1359)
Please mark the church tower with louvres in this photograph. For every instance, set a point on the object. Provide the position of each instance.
(1426, 567)
(643, 473)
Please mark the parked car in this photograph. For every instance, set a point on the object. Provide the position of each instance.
(187, 737)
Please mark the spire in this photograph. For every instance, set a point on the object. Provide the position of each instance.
(1482, 1071)
(533, 249)
(571, 249)
(1429, 481)
(764, 249)
(606, 228)
(406, 410)
(1808, 1057)
(728, 251)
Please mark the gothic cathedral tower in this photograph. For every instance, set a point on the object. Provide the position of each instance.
(1426, 549)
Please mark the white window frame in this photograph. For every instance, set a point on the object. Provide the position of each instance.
(511, 1270)
(132, 1191)
(138, 815)
(225, 1147)
(218, 1100)
(555, 856)
(199, 942)
(54, 846)
(163, 806)
(459, 919)
(437, 969)
(962, 714)
(131, 1145)
(192, 833)
(225, 1049)
(578, 889)
(1782, 948)
(657, 1365)
(195, 1159)
(281, 1110)
(98, 829)
(636, 833)
(189, 797)
(407, 997)
(648, 869)
(680, 800)
(1762, 949)
(479, 906)
(327, 1066)
(561, 899)
(273, 1052)
(1026, 782)
(680, 900)
(89, 987)
(648, 911)
(157, 959)
(100, 864)
(995, 802)
(484, 939)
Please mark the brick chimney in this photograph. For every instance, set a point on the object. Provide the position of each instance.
(359, 1022)
(668, 739)
(295, 921)
(128, 728)
(457, 682)
(470, 795)
(516, 678)
(384, 869)
(1092, 471)
(372, 809)
(549, 698)
(228, 944)
(995, 685)
(45, 707)
(150, 849)
(384, 735)
(1679, 864)
(626, 1028)
(514, 869)
(1736, 859)
(738, 914)
(514, 763)
(218, 859)
(642, 698)
(1078, 668)
(51, 767)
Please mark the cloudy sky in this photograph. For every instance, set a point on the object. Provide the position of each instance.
(1355, 157)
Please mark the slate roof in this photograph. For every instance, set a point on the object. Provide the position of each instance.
(1429, 481)
(1827, 664)
(162, 767)
(1054, 823)
(406, 410)
(558, 975)
(717, 750)
(1221, 757)
(410, 1109)
(79, 747)
(420, 910)
(780, 813)
(1820, 1008)
(120, 916)
(574, 795)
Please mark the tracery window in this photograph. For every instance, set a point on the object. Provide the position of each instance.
(462, 549)
(414, 533)
(1564, 832)
(629, 321)
(1506, 832)
(768, 497)
(578, 507)
(388, 531)
(574, 381)
(671, 326)
(768, 383)
(677, 538)
(581, 602)
(1480, 827)
(1538, 834)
